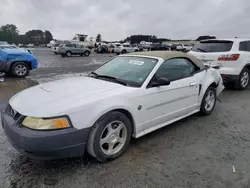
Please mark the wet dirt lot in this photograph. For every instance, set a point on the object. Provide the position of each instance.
(195, 152)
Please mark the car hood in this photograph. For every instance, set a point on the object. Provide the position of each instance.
(55, 97)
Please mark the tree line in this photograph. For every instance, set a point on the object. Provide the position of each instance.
(10, 34)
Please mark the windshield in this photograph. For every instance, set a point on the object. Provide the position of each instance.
(213, 46)
(131, 70)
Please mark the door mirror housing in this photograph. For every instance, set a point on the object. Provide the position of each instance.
(161, 81)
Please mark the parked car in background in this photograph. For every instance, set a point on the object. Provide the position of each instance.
(158, 47)
(102, 49)
(67, 50)
(173, 47)
(233, 55)
(183, 47)
(129, 96)
(125, 48)
(54, 48)
(17, 62)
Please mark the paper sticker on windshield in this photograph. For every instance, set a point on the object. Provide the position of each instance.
(135, 62)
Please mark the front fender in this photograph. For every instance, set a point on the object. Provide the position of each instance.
(90, 113)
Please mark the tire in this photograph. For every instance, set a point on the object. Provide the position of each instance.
(55, 53)
(117, 53)
(205, 110)
(68, 53)
(124, 51)
(100, 130)
(136, 50)
(243, 81)
(86, 53)
(20, 69)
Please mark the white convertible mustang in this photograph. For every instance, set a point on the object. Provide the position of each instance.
(129, 96)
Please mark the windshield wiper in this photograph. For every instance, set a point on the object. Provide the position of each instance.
(201, 50)
(109, 78)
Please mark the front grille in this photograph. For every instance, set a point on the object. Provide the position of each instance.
(13, 113)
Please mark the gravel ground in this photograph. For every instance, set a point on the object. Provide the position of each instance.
(192, 153)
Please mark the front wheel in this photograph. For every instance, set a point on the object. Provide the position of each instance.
(86, 53)
(68, 54)
(208, 101)
(20, 69)
(243, 80)
(110, 136)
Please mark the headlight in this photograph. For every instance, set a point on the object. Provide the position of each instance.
(46, 124)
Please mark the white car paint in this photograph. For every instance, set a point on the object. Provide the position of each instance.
(86, 99)
(183, 47)
(227, 67)
(125, 47)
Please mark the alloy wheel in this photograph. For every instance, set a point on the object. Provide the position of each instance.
(244, 79)
(20, 70)
(210, 101)
(113, 138)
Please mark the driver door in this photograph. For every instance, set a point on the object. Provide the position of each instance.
(167, 103)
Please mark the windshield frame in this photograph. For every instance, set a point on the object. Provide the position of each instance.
(130, 83)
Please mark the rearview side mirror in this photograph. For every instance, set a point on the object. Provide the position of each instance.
(161, 81)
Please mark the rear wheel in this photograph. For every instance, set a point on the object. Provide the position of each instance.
(243, 80)
(20, 69)
(208, 101)
(124, 51)
(110, 136)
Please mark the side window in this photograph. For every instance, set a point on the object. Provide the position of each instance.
(175, 69)
(248, 46)
(245, 46)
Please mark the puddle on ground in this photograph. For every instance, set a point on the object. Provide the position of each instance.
(11, 86)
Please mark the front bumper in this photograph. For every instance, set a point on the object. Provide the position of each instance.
(47, 145)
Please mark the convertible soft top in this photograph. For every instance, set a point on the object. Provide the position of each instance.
(169, 55)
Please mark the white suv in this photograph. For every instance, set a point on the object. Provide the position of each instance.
(125, 48)
(232, 55)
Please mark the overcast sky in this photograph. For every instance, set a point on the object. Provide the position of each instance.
(117, 19)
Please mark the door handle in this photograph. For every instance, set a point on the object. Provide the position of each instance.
(192, 84)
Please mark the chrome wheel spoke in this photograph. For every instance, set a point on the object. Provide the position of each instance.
(110, 148)
(121, 140)
(113, 137)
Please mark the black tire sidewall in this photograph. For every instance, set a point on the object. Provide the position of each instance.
(16, 64)
(68, 52)
(109, 117)
(86, 53)
(203, 110)
(124, 51)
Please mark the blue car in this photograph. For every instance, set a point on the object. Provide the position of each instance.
(17, 62)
